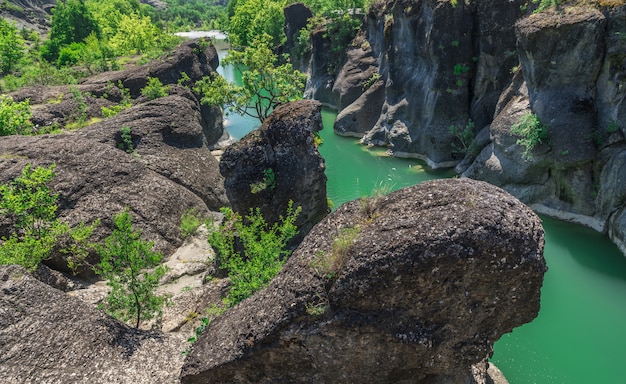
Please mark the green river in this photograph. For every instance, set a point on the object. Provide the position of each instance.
(579, 336)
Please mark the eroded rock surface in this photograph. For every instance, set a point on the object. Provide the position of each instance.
(277, 163)
(50, 337)
(430, 278)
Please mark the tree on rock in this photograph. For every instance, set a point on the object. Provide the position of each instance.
(124, 259)
(265, 84)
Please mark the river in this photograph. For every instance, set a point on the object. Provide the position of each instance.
(579, 336)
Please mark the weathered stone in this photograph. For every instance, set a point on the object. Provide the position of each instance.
(170, 170)
(281, 154)
(433, 275)
(297, 16)
(50, 337)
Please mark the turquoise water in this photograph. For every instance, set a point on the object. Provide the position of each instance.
(579, 336)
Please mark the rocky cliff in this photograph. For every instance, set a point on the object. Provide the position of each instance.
(420, 73)
(414, 287)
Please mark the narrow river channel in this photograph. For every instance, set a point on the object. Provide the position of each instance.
(579, 336)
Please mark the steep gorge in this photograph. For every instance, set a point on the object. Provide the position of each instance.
(421, 72)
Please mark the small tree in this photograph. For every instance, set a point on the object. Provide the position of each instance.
(124, 258)
(265, 84)
(264, 249)
(14, 117)
(11, 46)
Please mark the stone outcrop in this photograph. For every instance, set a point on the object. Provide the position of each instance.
(414, 287)
(50, 337)
(169, 171)
(277, 163)
(61, 104)
(571, 63)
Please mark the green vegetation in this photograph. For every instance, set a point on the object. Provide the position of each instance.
(545, 4)
(268, 183)
(370, 80)
(125, 257)
(126, 138)
(264, 249)
(30, 205)
(253, 18)
(328, 264)
(190, 221)
(266, 84)
(154, 89)
(464, 137)
(11, 46)
(532, 133)
(14, 117)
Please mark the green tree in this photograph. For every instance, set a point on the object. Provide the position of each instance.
(14, 117)
(11, 46)
(254, 18)
(135, 34)
(31, 207)
(264, 249)
(125, 256)
(72, 22)
(265, 84)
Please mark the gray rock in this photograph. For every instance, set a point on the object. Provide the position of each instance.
(434, 275)
(285, 145)
(50, 337)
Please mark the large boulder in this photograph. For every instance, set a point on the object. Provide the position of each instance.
(169, 171)
(414, 287)
(278, 163)
(50, 337)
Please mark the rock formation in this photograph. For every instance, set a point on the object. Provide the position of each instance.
(414, 287)
(500, 62)
(168, 170)
(277, 163)
(50, 337)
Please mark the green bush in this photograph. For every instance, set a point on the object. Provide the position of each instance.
(532, 133)
(30, 205)
(190, 221)
(14, 117)
(154, 89)
(11, 46)
(264, 249)
(125, 258)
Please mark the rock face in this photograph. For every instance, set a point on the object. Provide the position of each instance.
(277, 163)
(169, 171)
(498, 64)
(50, 337)
(414, 287)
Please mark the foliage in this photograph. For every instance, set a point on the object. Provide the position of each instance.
(190, 221)
(154, 89)
(264, 249)
(127, 140)
(464, 137)
(79, 116)
(532, 133)
(11, 46)
(125, 256)
(28, 203)
(95, 55)
(135, 34)
(267, 184)
(265, 84)
(370, 80)
(545, 4)
(14, 117)
(254, 18)
(193, 14)
(72, 22)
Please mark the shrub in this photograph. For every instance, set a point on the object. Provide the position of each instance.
(31, 206)
(154, 89)
(464, 137)
(190, 221)
(125, 256)
(532, 133)
(126, 137)
(14, 117)
(264, 249)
